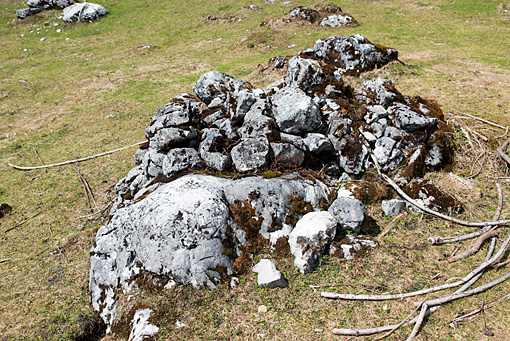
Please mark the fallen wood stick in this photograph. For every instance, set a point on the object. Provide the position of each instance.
(475, 247)
(478, 310)
(391, 224)
(501, 151)
(481, 120)
(465, 279)
(76, 160)
(4, 260)
(443, 240)
(33, 216)
(437, 214)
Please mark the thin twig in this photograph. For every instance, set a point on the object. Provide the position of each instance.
(35, 215)
(36, 153)
(5, 260)
(84, 188)
(76, 160)
(391, 224)
(481, 120)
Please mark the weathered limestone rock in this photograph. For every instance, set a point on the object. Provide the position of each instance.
(317, 143)
(84, 11)
(268, 275)
(393, 207)
(338, 20)
(180, 159)
(26, 12)
(168, 138)
(428, 194)
(251, 154)
(295, 112)
(142, 328)
(286, 155)
(348, 212)
(190, 231)
(312, 234)
(345, 52)
(350, 246)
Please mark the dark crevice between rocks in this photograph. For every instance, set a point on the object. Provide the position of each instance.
(92, 328)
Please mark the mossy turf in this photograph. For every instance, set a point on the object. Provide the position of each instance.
(65, 98)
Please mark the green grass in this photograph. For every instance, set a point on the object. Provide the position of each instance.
(96, 92)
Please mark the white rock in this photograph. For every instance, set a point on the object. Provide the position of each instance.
(393, 207)
(42, 39)
(142, 328)
(312, 234)
(268, 275)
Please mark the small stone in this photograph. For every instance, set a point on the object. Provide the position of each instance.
(251, 154)
(262, 309)
(4, 209)
(59, 30)
(42, 39)
(179, 324)
(67, 39)
(393, 207)
(268, 275)
(349, 213)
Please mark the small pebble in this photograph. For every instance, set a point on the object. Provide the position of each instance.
(25, 50)
(68, 39)
(59, 30)
(43, 39)
(262, 309)
(318, 330)
(22, 35)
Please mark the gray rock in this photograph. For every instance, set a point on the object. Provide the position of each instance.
(139, 155)
(338, 20)
(268, 275)
(375, 112)
(295, 112)
(258, 125)
(251, 154)
(348, 212)
(84, 11)
(63, 3)
(354, 54)
(152, 163)
(286, 155)
(211, 149)
(26, 12)
(181, 231)
(218, 161)
(297, 141)
(351, 245)
(168, 138)
(393, 207)
(305, 74)
(410, 120)
(304, 13)
(180, 159)
(215, 84)
(395, 133)
(308, 240)
(317, 143)
(141, 327)
(382, 90)
(42, 4)
(350, 153)
(184, 109)
(387, 153)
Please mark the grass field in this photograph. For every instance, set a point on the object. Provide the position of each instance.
(65, 98)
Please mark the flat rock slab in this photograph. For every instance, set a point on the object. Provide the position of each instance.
(268, 275)
(348, 212)
(84, 11)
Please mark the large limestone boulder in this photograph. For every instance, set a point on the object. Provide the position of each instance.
(84, 11)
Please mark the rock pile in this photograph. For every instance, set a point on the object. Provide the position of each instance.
(201, 227)
(322, 14)
(73, 11)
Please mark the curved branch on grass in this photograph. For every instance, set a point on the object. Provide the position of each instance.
(501, 151)
(437, 214)
(443, 240)
(476, 246)
(76, 160)
(466, 279)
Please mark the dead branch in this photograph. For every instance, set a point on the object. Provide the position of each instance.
(465, 279)
(501, 152)
(437, 214)
(443, 240)
(475, 247)
(84, 188)
(481, 120)
(476, 311)
(501, 136)
(391, 224)
(5, 260)
(31, 217)
(76, 160)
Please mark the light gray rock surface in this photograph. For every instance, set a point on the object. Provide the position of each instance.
(141, 327)
(393, 207)
(183, 229)
(295, 112)
(180, 159)
(350, 246)
(84, 11)
(286, 155)
(252, 154)
(268, 275)
(348, 212)
(26, 12)
(338, 20)
(308, 240)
